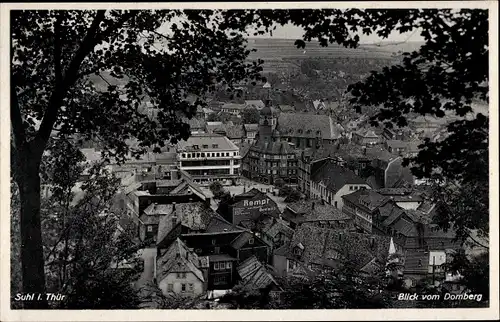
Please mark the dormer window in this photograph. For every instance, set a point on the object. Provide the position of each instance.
(205, 146)
(251, 241)
(296, 251)
(215, 146)
(195, 147)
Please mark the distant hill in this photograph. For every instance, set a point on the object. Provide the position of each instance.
(277, 49)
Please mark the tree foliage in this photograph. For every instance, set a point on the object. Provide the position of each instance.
(250, 116)
(217, 189)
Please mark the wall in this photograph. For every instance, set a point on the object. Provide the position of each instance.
(345, 191)
(409, 205)
(171, 278)
(280, 265)
(261, 252)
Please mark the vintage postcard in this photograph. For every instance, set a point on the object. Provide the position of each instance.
(249, 161)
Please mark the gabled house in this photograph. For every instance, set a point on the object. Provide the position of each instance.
(365, 137)
(277, 233)
(257, 104)
(248, 244)
(250, 132)
(331, 182)
(316, 213)
(249, 207)
(181, 272)
(363, 206)
(233, 108)
(150, 220)
(403, 148)
(406, 198)
(215, 242)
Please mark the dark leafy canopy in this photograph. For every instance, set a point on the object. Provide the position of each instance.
(125, 43)
(250, 116)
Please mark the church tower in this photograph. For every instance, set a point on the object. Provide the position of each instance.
(267, 121)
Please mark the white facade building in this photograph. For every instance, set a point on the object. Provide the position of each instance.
(209, 157)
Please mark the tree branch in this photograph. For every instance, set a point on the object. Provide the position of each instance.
(70, 77)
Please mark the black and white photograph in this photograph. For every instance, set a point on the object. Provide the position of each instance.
(223, 157)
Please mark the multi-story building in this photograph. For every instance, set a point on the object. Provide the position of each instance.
(208, 158)
(365, 137)
(331, 181)
(181, 272)
(270, 159)
(308, 130)
(233, 108)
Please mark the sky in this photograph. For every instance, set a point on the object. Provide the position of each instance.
(294, 32)
(290, 31)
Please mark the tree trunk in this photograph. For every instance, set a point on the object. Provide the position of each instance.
(32, 260)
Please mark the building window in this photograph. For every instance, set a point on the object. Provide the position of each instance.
(215, 146)
(183, 287)
(216, 250)
(183, 155)
(170, 287)
(195, 147)
(205, 146)
(191, 287)
(228, 265)
(150, 228)
(216, 266)
(251, 241)
(218, 280)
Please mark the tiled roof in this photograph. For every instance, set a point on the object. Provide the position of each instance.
(320, 212)
(277, 147)
(366, 133)
(391, 212)
(322, 246)
(195, 216)
(335, 177)
(218, 224)
(155, 209)
(222, 142)
(287, 108)
(278, 226)
(251, 127)
(178, 259)
(233, 106)
(366, 198)
(255, 273)
(308, 125)
(244, 148)
(242, 239)
(221, 257)
(256, 103)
